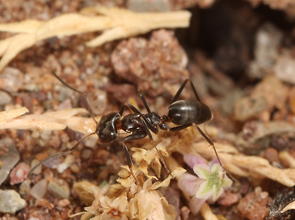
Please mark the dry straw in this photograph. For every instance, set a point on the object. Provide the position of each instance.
(116, 24)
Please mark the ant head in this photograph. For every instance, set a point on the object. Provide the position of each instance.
(106, 128)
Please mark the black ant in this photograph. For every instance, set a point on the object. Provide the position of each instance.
(183, 113)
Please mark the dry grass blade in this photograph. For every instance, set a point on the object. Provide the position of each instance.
(27, 26)
(10, 114)
(10, 47)
(48, 121)
(233, 161)
(290, 206)
(118, 23)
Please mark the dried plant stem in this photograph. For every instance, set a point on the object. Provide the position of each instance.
(207, 213)
(118, 23)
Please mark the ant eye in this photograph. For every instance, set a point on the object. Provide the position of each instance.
(101, 136)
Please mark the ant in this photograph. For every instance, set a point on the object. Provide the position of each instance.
(183, 113)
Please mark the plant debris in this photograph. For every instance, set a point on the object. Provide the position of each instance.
(120, 23)
(238, 57)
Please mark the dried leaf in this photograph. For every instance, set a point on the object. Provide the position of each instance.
(12, 46)
(175, 173)
(86, 191)
(24, 123)
(290, 206)
(262, 167)
(13, 113)
(58, 120)
(28, 26)
(239, 164)
(69, 24)
(118, 23)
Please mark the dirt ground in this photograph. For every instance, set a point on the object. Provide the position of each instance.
(239, 56)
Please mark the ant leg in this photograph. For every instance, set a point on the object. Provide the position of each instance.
(212, 144)
(134, 136)
(82, 93)
(144, 101)
(59, 154)
(182, 87)
(129, 161)
(160, 155)
(132, 108)
(181, 127)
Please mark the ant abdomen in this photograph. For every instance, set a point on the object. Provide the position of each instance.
(186, 112)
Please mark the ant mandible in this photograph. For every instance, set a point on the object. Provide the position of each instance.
(183, 113)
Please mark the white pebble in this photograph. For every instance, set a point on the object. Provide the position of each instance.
(10, 201)
(39, 190)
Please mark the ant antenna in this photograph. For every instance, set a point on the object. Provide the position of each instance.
(82, 93)
(70, 150)
(59, 154)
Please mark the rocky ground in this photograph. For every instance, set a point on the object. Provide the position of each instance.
(238, 54)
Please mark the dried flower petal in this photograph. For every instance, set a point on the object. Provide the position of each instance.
(86, 191)
(189, 183)
(151, 157)
(192, 160)
(175, 173)
(157, 208)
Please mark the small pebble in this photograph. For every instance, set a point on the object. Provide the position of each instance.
(4, 98)
(62, 167)
(10, 201)
(38, 170)
(59, 189)
(75, 168)
(8, 159)
(64, 202)
(32, 87)
(91, 142)
(25, 188)
(39, 189)
(70, 159)
(148, 6)
(229, 198)
(284, 68)
(254, 205)
(267, 41)
(86, 154)
(272, 155)
(11, 79)
(19, 173)
(269, 94)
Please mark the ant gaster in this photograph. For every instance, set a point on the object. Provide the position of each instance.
(183, 113)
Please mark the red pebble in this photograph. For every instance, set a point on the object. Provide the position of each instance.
(19, 173)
